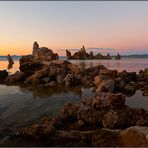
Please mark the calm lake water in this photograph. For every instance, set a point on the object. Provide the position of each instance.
(20, 106)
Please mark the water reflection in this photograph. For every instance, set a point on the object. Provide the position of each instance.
(54, 91)
(21, 105)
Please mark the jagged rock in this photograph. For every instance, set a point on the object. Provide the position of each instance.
(43, 53)
(82, 54)
(17, 77)
(31, 63)
(68, 54)
(106, 85)
(3, 75)
(99, 79)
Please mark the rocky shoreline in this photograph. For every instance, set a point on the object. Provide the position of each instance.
(103, 120)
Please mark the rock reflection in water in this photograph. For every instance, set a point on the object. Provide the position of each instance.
(49, 92)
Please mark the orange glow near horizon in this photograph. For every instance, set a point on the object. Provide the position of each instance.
(122, 26)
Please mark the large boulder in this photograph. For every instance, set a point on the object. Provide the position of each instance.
(29, 66)
(43, 53)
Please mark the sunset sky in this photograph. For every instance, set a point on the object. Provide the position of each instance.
(122, 26)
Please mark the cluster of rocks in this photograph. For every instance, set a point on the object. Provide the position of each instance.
(58, 73)
(82, 54)
(103, 120)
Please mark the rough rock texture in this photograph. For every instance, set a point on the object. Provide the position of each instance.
(56, 73)
(106, 85)
(104, 110)
(103, 121)
(43, 53)
(31, 63)
(17, 77)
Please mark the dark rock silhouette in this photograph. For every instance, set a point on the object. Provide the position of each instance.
(118, 57)
(82, 54)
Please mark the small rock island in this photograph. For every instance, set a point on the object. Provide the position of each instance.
(82, 54)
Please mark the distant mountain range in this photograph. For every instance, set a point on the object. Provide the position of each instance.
(136, 56)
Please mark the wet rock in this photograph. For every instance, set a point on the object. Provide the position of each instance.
(105, 138)
(99, 79)
(97, 111)
(106, 85)
(134, 137)
(37, 130)
(3, 75)
(36, 78)
(29, 67)
(17, 77)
